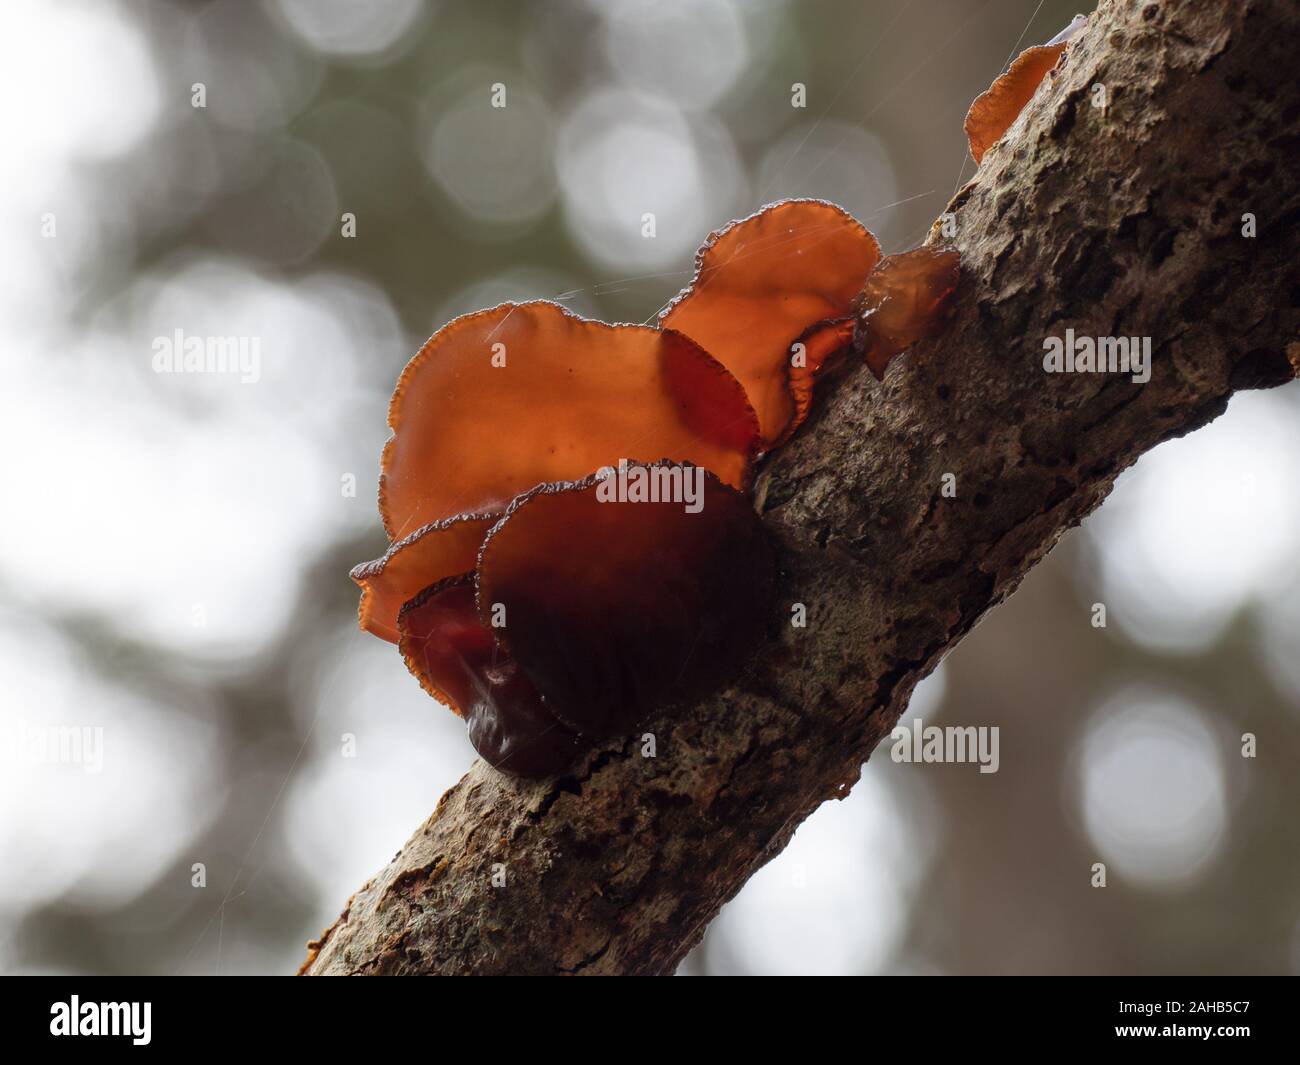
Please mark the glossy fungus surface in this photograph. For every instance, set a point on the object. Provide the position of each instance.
(615, 604)
(760, 284)
(904, 300)
(500, 401)
(512, 730)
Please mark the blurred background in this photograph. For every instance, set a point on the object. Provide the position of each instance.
(175, 548)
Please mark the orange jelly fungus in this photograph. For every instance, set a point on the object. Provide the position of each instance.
(614, 603)
(536, 589)
(502, 400)
(439, 550)
(904, 301)
(760, 284)
(994, 110)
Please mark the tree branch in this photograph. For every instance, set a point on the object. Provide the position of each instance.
(1117, 221)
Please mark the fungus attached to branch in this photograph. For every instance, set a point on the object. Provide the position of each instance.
(551, 599)
(995, 109)
(903, 301)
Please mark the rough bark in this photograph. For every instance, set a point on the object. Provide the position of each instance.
(1122, 221)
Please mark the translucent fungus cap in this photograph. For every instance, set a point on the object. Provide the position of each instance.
(505, 399)
(994, 110)
(438, 551)
(760, 284)
(904, 300)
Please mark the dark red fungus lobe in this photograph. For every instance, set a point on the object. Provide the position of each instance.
(995, 109)
(500, 401)
(614, 608)
(511, 728)
(904, 300)
(443, 642)
(458, 661)
(440, 550)
(760, 284)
